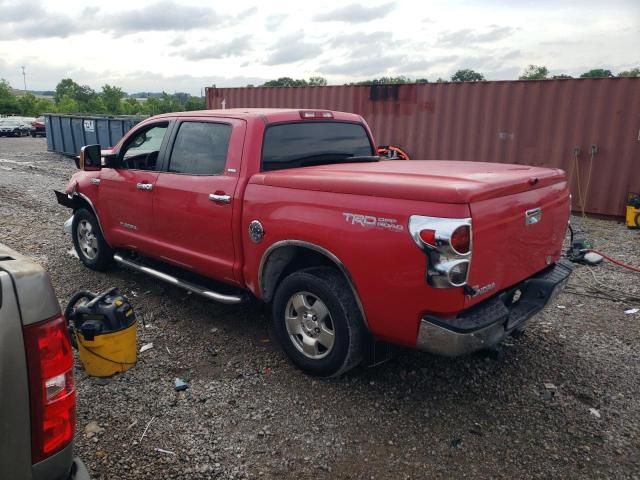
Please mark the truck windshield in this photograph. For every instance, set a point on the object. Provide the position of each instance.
(303, 144)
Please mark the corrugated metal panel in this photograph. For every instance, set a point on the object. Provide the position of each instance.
(527, 122)
(69, 133)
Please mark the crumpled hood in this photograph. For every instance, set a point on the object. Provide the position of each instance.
(423, 180)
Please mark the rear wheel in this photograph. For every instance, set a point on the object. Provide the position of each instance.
(89, 241)
(318, 323)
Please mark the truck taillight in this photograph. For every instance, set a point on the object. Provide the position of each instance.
(461, 239)
(51, 388)
(428, 237)
(447, 244)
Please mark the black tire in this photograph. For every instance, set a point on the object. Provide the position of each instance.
(327, 285)
(94, 251)
(33, 134)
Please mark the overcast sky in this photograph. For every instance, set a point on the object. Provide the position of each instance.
(175, 45)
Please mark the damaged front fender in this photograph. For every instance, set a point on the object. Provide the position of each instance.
(69, 200)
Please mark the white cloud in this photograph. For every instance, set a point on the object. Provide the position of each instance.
(175, 45)
(355, 13)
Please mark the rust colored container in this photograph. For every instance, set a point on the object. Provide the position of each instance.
(553, 123)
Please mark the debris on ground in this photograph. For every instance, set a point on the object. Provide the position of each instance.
(550, 391)
(595, 412)
(146, 346)
(162, 450)
(93, 428)
(180, 385)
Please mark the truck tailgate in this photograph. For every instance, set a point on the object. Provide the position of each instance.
(516, 236)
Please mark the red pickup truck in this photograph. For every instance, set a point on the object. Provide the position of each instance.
(294, 208)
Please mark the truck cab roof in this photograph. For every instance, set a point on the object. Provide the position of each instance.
(267, 115)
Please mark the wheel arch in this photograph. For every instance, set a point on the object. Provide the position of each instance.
(286, 256)
(80, 200)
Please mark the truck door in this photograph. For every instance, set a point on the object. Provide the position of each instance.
(126, 191)
(194, 196)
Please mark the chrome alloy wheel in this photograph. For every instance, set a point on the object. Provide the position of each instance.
(309, 325)
(87, 239)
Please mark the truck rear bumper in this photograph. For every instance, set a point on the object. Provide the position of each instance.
(488, 323)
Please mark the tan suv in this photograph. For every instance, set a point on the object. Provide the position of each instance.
(37, 393)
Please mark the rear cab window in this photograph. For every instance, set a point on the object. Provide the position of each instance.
(200, 148)
(301, 144)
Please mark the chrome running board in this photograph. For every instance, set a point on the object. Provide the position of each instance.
(197, 289)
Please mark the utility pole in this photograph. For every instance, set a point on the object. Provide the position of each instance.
(24, 79)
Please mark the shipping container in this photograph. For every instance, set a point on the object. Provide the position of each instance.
(588, 127)
(67, 134)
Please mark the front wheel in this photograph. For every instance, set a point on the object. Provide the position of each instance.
(318, 323)
(89, 241)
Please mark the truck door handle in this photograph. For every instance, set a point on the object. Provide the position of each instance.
(144, 186)
(220, 198)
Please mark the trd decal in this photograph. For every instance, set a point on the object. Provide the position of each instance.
(371, 221)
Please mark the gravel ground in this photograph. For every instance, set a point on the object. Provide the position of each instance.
(248, 413)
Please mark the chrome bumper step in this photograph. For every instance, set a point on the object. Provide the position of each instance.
(192, 287)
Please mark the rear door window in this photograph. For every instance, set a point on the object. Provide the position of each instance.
(200, 148)
(303, 144)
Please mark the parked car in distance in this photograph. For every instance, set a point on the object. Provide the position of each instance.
(295, 208)
(13, 128)
(37, 392)
(38, 128)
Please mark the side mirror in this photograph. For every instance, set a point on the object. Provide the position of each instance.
(90, 158)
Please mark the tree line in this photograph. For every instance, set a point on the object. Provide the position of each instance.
(70, 97)
(532, 72)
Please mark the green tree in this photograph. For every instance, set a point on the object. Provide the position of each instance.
(8, 102)
(44, 105)
(467, 75)
(561, 76)
(132, 107)
(66, 104)
(151, 106)
(286, 82)
(535, 72)
(112, 99)
(194, 103)
(634, 72)
(27, 105)
(317, 82)
(84, 95)
(385, 81)
(94, 105)
(422, 80)
(596, 73)
(67, 87)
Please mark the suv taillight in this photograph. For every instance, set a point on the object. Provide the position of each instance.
(447, 244)
(51, 389)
